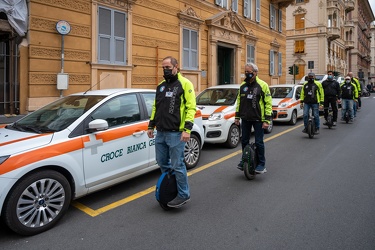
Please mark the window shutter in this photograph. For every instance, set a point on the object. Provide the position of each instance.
(280, 64)
(280, 21)
(247, 9)
(257, 12)
(272, 17)
(272, 70)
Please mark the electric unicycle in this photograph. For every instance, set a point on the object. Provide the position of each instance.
(250, 160)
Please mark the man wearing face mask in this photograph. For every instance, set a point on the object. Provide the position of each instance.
(349, 95)
(332, 95)
(355, 81)
(254, 108)
(312, 95)
(173, 117)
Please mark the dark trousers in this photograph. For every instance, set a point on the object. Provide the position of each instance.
(330, 100)
(258, 133)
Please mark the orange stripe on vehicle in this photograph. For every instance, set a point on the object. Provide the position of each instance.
(205, 116)
(198, 114)
(2, 125)
(230, 115)
(35, 155)
(220, 109)
(22, 139)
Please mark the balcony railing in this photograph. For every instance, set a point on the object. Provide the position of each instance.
(349, 5)
(349, 44)
(333, 33)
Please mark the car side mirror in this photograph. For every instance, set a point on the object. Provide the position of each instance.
(298, 96)
(97, 125)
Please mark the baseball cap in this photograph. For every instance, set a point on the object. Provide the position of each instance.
(311, 74)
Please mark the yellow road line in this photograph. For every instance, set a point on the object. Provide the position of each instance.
(93, 212)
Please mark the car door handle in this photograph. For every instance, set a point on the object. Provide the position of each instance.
(139, 133)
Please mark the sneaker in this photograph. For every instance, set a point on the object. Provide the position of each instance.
(240, 166)
(325, 123)
(260, 169)
(316, 131)
(178, 202)
(334, 123)
(304, 130)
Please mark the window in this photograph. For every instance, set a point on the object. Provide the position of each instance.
(272, 62)
(250, 54)
(119, 110)
(280, 21)
(235, 6)
(299, 21)
(111, 36)
(272, 17)
(190, 49)
(257, 11)
(149, 100)
(300, 1)
(280, 68)
(299, 46)
(247, 8)
(222, 3)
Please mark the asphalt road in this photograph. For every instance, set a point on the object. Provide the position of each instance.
(318, 194)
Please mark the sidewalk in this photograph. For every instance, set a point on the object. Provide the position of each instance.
(5, 119)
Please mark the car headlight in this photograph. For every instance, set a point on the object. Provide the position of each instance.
(3, 158)
(216, 116)
(283, 105)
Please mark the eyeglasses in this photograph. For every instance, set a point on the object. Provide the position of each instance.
(249, 72)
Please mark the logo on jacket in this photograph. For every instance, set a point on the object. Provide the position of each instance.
(162, 88)
(245, 89)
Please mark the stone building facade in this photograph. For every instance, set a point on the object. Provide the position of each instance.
(333, 34)
(121, 43)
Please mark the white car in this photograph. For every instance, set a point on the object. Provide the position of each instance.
(74, 146)
(286, 103)
(218, 107)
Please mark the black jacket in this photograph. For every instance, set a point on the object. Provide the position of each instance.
(331, 89)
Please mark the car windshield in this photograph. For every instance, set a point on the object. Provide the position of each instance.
(57, 115)
(281, 92)
(215, 96)
(319, 77)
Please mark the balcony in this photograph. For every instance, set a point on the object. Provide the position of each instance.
(348, 26)
(333, 33)
(333, 5)
(349, 45)
(282, 3)
(349, 5)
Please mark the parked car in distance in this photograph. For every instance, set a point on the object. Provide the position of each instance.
(218, 107)
(74, 146)
(286, 103)
(318, 77)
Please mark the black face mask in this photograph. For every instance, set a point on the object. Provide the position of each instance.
(311, 80)
(167, 74)
(249, 75)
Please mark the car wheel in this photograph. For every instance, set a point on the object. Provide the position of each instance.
(233, 136)
(37, 202)
(270, 127)
(192, 151)
(293, 119)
